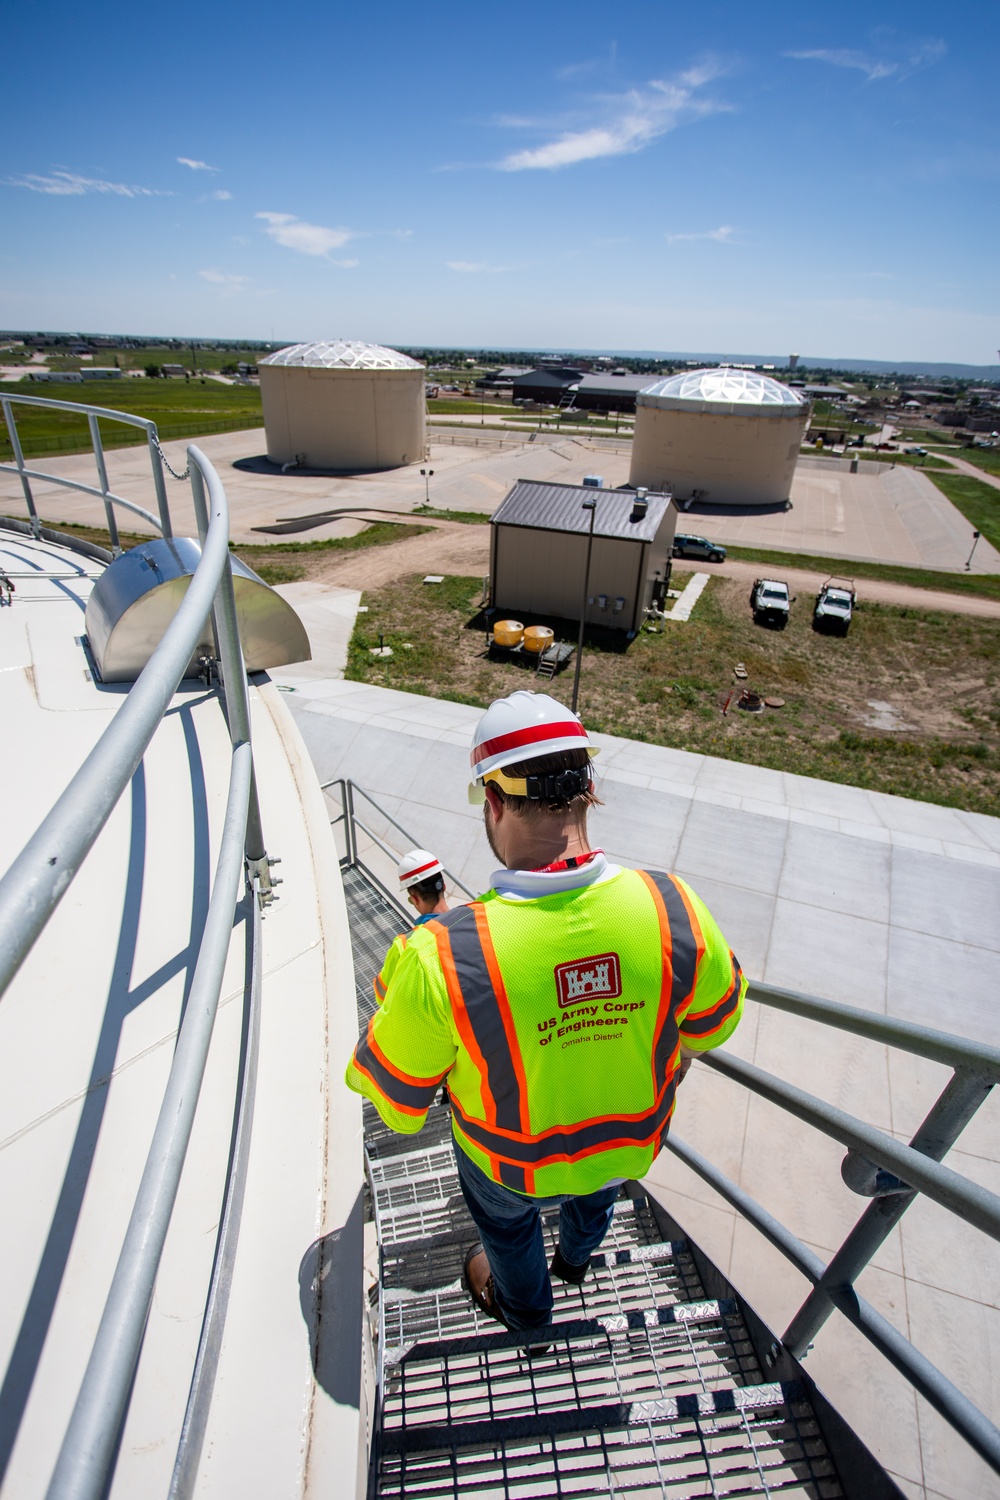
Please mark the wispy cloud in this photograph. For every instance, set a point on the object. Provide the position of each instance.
(223, 278)
(308, 239)
(894, 62)
(474, 267)
(196, 166)
(63, 184)
(631, 122)
(724, 233)
(221, 195)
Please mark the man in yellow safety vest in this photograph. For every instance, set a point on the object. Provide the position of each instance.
(563, 1008)
(421, 876)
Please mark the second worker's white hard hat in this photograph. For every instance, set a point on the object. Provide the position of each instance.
(524, 726)
(419, 864)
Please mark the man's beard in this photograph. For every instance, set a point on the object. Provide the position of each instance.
(488, 825)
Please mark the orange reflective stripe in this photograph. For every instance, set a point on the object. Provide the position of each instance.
(510, 1030)
(683, 946)
(461, 1015)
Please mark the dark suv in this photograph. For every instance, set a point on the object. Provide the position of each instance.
(698, 546)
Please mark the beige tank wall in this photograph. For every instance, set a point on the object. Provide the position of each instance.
(746, 460)
(344, 419)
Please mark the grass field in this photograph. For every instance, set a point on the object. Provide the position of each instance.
(983, 458)
(978, 502)
(983, 585)
(178, 408)
(940, 673)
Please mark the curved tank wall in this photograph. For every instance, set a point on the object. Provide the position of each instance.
(722, 437)
(331, 414)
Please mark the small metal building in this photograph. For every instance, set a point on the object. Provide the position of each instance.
(538, 552)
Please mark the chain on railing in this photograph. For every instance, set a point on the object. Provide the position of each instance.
(166, 462)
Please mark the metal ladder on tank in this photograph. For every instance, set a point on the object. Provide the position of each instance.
(653, 1377)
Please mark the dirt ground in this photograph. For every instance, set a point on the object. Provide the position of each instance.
(907, 703)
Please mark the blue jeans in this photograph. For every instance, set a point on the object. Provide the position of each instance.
(510, 1227)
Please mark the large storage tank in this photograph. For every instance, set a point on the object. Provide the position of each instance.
(342, 405)
(723, 436)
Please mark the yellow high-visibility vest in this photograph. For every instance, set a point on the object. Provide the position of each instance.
(557, 1022)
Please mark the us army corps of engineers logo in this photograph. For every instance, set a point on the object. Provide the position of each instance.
(597, 978)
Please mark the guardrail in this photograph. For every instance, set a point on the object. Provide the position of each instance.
(94, 415)
(35, 884)
(877, 1166)
(352, 823)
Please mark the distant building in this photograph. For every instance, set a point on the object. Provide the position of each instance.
(101, 372)
(172, 370)
(614, 390)
(538, 552)
(546, 385)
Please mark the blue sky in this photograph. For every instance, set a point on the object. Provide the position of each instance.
(760, 178)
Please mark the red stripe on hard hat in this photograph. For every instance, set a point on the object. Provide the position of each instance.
(431, 864)
(532, 736)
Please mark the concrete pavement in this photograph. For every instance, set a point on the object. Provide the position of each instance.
(878, 901)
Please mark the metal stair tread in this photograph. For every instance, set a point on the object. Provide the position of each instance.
(728, 1402)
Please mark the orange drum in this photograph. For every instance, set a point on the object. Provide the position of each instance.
(508, 632)
(538, 638)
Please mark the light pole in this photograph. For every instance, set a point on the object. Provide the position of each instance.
(428, 475)
(589, 504)
(975, 539)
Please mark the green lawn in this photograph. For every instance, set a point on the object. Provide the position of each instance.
(983, 458)
(941, 672)
(985, 586)
(179, 409)
(978, 502)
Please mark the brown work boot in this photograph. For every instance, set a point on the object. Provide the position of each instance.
(479, 1284)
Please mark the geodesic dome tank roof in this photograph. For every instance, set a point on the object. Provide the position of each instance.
(712, 390)
(343, 354)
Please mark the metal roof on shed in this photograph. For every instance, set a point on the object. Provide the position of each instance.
(559, 507)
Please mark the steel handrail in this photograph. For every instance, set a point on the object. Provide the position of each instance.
(89, 1448)
(968, 1200)
(956, 1408)
(922, 1041)
(347, 802)
(93, 414)
(31, 890)
(41, 874)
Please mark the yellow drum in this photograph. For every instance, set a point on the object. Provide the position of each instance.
(508, 632)
(538, 638)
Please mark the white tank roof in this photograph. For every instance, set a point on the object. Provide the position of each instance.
(711, 390)
(343, 354)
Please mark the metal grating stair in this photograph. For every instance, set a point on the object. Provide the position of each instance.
(642, 1386)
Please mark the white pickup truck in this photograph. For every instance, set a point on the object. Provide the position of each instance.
(770, 602)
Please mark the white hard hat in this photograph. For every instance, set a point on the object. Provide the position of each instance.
(418, 865)
(524, 726)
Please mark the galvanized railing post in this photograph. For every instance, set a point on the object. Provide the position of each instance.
(15, 443)
(234, 677)
(159, 482)
(352, 834)
(102, 475)
(948, 1117)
